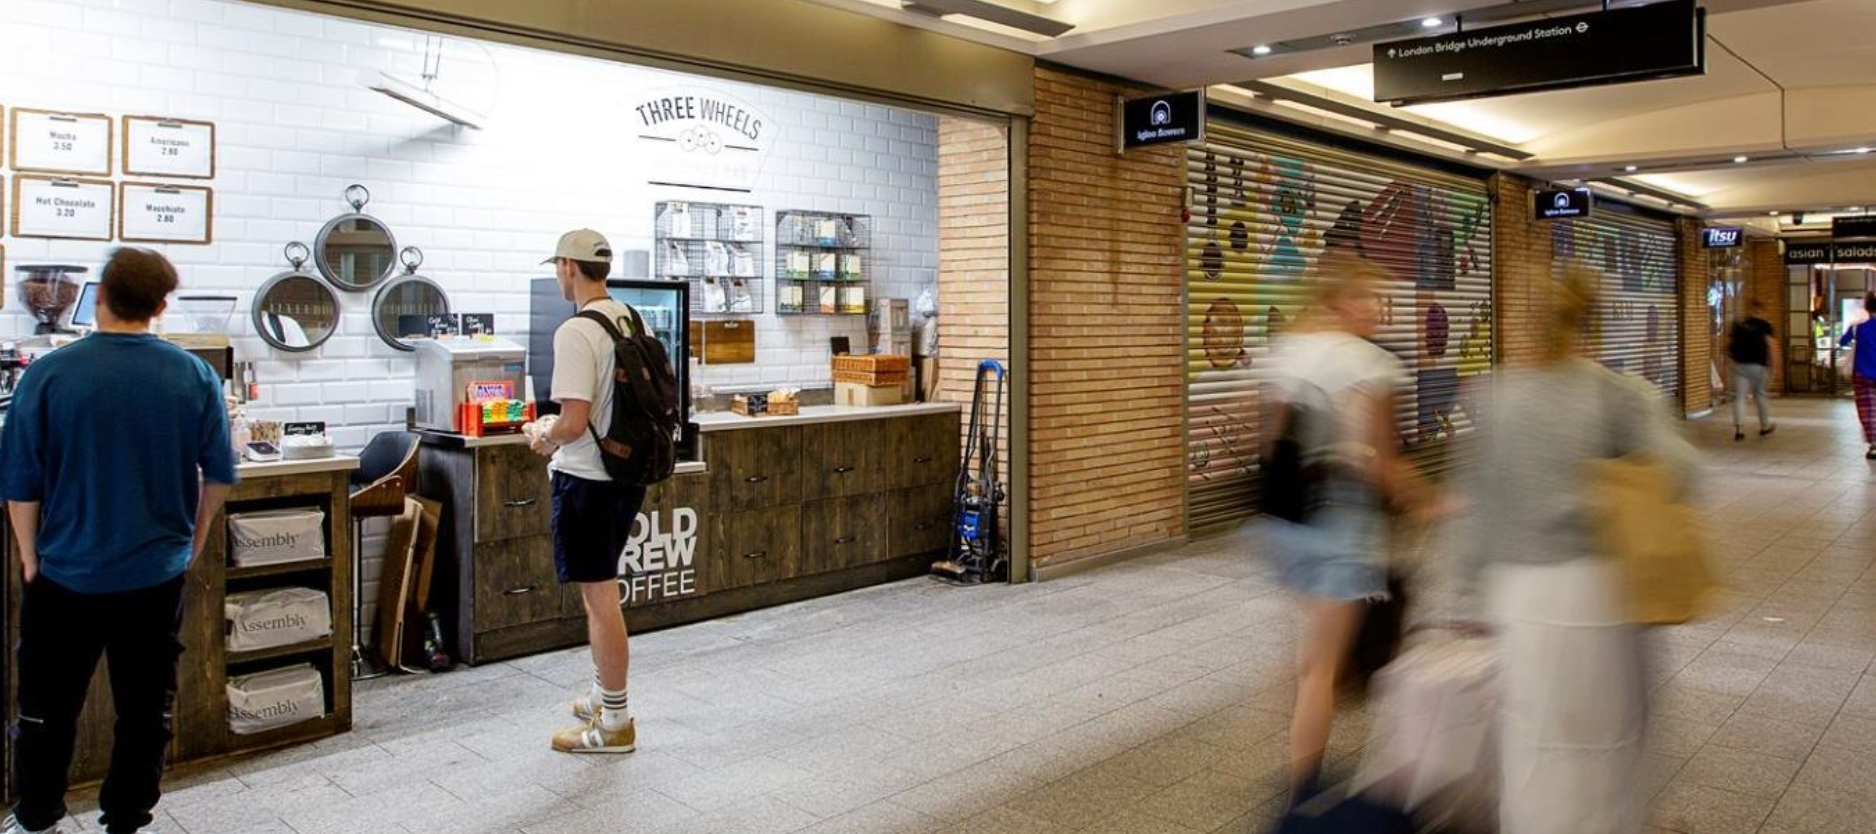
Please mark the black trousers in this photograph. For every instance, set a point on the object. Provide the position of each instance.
(62, 635)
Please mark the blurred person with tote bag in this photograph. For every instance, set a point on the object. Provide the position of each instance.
(1555, 574)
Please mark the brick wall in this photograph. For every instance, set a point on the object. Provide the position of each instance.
(973, 262)
(1521, 249)
(1765, 282)
(1696, 344)
(1106, 326)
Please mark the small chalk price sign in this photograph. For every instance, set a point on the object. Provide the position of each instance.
(154, 213)
(61, 143)
(69, 209)
(156, 147)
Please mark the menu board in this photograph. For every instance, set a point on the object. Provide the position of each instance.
(152, 213)
(61, 143)
(60, 208)
(156, 147)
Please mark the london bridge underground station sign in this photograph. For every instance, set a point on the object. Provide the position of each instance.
(1660, 40)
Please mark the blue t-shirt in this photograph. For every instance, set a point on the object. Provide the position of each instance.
(114, 434)
(1865, 337)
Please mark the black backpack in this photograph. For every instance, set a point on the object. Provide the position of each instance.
(640, 446)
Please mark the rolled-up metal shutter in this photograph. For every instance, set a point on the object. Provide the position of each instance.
(1639, 329)
(1265, 208)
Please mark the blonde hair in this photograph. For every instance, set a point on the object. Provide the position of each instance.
(1340, 278)
(1574, 309)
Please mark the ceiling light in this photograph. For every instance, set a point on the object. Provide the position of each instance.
(1772, 213)
(1261, 49)
(1630, 168)
(1739, 159)
(1431, 22)
(1854, 208)
(420, 97)
(1864, 149)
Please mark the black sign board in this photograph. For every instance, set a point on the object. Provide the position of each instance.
(1158, 120)
(1857, 226)
(1853, 253)
(1721, 237)
(478, 324)
(1659, 40)
(308, 429)
(1825, 252)
(1561, 204)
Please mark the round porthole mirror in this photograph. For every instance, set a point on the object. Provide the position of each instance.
(355, 251)
(295, 311)
(402, 309)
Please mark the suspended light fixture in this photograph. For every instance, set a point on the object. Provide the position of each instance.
(420, 95)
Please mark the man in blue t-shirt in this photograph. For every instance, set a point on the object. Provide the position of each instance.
(114, 460)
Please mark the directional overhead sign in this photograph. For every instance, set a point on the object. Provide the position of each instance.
(1659, 40)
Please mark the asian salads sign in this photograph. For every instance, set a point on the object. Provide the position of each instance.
(702, 139)
(1659, 40)
(1161, 119)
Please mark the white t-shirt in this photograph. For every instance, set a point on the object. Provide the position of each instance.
(583, 371)
(1343, 367)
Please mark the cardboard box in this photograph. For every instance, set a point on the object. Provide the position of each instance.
(853, 394)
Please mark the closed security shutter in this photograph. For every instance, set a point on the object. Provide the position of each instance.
(1265, 210)
(1639, 328)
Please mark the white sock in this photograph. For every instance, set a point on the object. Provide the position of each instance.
(614, 710)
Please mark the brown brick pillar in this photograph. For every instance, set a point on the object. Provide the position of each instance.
(1521, 272)
(1696, 344)
(1107, 319)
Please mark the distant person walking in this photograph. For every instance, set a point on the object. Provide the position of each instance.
(108, 522)
(1864, 377)
(1749, 346)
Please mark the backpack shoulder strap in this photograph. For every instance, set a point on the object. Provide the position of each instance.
(611, 329)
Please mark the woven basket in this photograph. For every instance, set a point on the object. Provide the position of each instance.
(874, 371)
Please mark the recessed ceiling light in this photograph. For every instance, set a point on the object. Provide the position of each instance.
(1260, 49)
(1864, 149)
(1631, 169)
(1772, 213)
(1431, 22)
(1738, 159)
(1854, 208)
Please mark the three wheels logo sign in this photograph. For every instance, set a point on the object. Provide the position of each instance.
(709, 139)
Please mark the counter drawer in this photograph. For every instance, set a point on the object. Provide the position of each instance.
(842, 533)
(513, 494)
(515, 584)
(921, 520)
(753, 469)
(922, 451)
(757, 547)
(842, 459)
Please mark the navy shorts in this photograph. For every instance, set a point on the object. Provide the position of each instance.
(592, 524)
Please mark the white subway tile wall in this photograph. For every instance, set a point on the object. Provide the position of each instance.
(295, 126)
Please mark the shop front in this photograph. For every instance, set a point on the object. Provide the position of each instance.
(1269, 208)
(358, 197)
(1826, 281)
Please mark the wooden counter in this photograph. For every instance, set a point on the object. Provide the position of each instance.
(201, 696)
(781, 509)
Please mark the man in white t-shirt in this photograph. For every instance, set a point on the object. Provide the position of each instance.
(592, 515)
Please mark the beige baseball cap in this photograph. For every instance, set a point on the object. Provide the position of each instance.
(582, 245)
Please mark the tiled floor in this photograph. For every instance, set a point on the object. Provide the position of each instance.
(1145, 698)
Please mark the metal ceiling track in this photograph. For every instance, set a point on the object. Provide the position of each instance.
(992, 13)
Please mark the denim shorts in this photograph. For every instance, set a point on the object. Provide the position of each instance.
(1338, 555)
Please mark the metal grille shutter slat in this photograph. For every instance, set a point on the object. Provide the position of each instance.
(1639, 328)
(1264, 207)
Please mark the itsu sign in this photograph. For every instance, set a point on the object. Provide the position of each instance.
(702, 139)
(660, 559)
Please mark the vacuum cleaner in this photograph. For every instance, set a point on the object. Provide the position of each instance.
(977, 552)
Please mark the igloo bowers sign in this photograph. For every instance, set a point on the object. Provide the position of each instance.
(702, 139)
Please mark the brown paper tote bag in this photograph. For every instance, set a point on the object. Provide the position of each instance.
(1655, 537)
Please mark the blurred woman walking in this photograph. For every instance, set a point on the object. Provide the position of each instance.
(1864, 377)
(1573, 706)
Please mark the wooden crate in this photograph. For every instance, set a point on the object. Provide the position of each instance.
(873, 371)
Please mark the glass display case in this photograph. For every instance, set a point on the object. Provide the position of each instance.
(665, 307)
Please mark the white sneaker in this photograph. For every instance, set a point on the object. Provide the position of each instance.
(12, 826)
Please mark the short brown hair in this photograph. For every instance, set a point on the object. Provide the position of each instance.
(592, 270)
(135, 282)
